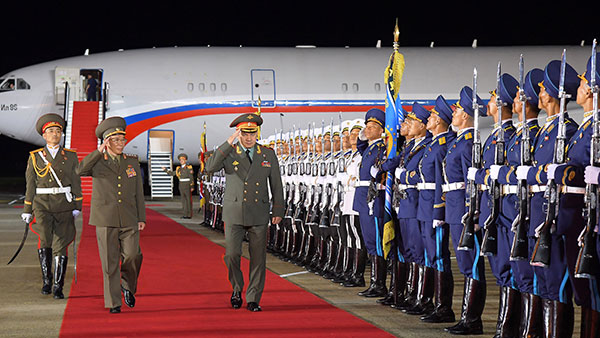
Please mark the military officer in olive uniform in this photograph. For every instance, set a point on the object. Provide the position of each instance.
(53, 195)
(185, 174)
(117, 210)
(250, 171)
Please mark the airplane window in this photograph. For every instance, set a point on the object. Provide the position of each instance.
(377, 87)
(201, 86)
(223, 87)
(190, 87)
(355, 87)
(7, 85)
(22, 84)
(344, 87)
(213, 87)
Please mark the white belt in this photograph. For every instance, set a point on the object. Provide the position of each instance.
(509, 189)
(54, 191)
(537, 188)
(453, 186)
(565, 189)
(368, 183)
(482, 187)
(406, 186)
(184, 179)
(426, 186)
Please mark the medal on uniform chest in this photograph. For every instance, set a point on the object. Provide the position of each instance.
(130, 171)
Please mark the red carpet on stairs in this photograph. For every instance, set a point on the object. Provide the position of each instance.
(83, 137)
(183, 291)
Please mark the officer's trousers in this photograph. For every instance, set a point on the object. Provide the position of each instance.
(436, 245)
(372, 231)
(470, 263)
(119, 245)
(186, 199)
(55, 230)
(500, 262)
(413, 241)
(257, 246)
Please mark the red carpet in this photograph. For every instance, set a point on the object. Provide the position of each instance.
(184, 291)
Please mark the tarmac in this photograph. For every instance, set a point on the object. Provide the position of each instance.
(25, 312)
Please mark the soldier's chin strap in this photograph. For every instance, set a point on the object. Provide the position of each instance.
(68, 193)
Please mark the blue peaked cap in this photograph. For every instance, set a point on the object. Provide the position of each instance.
(532, 88)
(552, 80)
(466, 102)
(443, 109)
(375, 115)
(419, 113)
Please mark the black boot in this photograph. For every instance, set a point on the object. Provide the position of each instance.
(332, 257)
(424, 304)
(470, 322)
(389, 298)
(463, 308)
(60, 269)
(314, 260)
(531, 316)
(410, 296)
(346, 270)
(590, 323)
(338, 267)
(444, 290)
(358, 269)
(378, 274)
(45, 255)
(562, 320)
(507, 325)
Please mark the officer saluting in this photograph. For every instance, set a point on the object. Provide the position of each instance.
(54, 195)
(185, 174)
(248, 168)
(118, 212)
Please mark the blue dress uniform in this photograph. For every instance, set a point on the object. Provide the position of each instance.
(556, 291)
(509, 301)
(570, 223)
(431, 207)
(458, 160)
(371, 212)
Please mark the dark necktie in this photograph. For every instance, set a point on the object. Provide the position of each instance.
(248, 155)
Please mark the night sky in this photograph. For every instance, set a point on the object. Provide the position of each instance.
(34, 33)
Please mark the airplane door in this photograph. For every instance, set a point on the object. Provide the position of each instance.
(70, 75)
(263, 86)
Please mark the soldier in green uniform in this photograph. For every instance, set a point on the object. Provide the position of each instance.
(185, 174)
(54, 196)
(117, 210)
(250, 170)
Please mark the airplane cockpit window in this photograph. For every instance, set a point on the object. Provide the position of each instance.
(22, 84)
(7, 85)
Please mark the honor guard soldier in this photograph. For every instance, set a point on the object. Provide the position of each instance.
(508, 314)
(557, 294)
(407, 177)
(53, 196)
(250, 171)
(357, 255)
(117, 211)
(369, 199)
(431, 211)
(456, 164)
(570, 220)
(523, 276)
(185, 175)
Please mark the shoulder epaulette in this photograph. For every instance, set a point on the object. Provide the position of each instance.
(266, 147)
(35, 151)
(71, 150)
(442, 140)
(468, 136)
(189, 166)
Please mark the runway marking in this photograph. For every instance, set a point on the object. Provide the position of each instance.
(285, 275)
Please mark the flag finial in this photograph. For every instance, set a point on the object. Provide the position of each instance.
(396, 35)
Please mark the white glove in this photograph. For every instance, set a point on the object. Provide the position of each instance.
(437, 223)
(515, 223)
(361, 135)
(591, 174)
(399, 171)
(538, 230)
(551, 169)
(374, 171)
(76, 213)
(494, 171)
(471, 173)
(522, 172)
(581, 236)
(26, 217)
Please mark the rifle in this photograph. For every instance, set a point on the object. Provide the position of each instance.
(541, 251)
(520, 245)
(587, 259)
(467, 237)
(328, 187)
(292, 170)
(489, 244)
(338, 189)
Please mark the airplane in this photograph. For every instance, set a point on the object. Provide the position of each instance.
(176, 90)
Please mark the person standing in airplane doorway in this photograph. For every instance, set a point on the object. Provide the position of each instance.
(90, 88)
